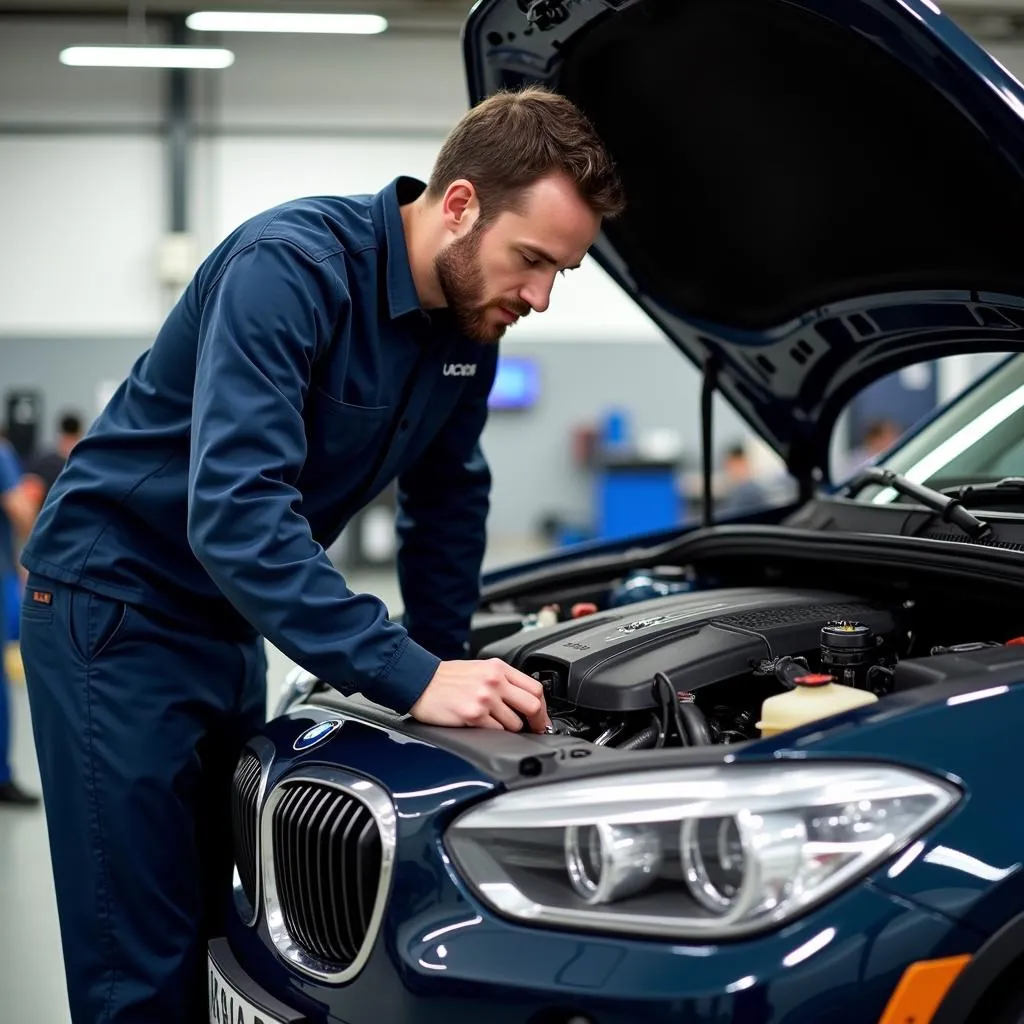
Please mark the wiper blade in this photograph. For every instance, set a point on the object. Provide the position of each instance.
(948, 506)
(1010, 485)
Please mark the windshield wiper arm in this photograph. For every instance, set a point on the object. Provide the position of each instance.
(1010, 486)
(949, 507)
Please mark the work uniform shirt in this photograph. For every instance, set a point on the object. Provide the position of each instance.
(295, 378)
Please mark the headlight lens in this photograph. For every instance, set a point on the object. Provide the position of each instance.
(709, 852)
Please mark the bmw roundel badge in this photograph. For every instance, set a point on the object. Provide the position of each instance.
(315, 734)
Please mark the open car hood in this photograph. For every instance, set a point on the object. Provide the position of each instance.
(819, 191)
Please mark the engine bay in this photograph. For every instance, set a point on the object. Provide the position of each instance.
(668, 663)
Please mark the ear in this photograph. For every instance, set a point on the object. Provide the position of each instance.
(460, 206)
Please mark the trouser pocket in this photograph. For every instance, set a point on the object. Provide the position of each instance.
(94, 622)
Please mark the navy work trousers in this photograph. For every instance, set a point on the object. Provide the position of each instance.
(138, 726)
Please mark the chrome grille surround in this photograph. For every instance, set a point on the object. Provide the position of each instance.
(307, 930)
(247, 793)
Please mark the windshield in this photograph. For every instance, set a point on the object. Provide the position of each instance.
(979, 438)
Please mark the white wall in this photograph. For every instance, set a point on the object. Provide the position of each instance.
(80, 220)
(84, 212)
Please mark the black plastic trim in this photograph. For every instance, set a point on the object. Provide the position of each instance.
(919, 555)
(503, 756)
(522, 759)
(986, 967)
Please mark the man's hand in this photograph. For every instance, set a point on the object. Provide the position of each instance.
(484, 694)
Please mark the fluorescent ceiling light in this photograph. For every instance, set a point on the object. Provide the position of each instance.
(125, 56)
(257, 21)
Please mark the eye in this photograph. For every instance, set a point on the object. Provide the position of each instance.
(529, 260)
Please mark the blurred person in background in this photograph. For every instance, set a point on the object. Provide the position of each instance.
(742, 490)
(17, 512)
(42, 470)
(878, 437)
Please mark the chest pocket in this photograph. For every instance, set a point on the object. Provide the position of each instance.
(342, 439)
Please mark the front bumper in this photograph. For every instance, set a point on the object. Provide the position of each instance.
(454, 961)
(440, 955)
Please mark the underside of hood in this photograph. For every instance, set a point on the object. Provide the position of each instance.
(818, 192)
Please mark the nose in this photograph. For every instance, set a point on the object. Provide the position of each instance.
(537, 294)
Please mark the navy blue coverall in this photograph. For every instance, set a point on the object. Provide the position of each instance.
(296, 377)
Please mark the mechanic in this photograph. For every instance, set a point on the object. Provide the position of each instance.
(325, 348)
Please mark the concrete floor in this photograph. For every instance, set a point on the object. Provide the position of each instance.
(31, 972)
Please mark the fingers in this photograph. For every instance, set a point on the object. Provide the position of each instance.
(525, 695)
(522, 680)
(484, 707)
(503, 713)
(482, 695)
(531, 707)
(494, 708)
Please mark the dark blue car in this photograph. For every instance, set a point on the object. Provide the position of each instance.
(820, 193)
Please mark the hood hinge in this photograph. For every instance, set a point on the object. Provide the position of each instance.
(801, 463)
(707, 394)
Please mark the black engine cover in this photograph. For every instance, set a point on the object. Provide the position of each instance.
(607, 661)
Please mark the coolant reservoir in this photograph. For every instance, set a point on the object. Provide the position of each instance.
(815, 696)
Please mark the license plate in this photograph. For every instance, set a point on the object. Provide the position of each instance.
(228, 1005)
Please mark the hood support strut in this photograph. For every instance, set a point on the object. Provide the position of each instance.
(707, 394)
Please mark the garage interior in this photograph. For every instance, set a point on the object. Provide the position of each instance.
(115, 183)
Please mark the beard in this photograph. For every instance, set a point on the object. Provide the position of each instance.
(461, 277)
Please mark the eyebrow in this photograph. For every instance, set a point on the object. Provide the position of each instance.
(547, 256)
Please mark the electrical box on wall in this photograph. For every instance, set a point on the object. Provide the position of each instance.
(23, 415)
(176, 258)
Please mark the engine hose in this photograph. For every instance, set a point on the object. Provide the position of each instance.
(788, 670)
(696, 724)
(641, 740)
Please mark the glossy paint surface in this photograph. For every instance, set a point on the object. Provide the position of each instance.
(442, 952)
(970, 865)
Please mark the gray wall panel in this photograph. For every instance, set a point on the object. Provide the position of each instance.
(530, 451)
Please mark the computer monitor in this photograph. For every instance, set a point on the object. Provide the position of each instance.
(516, 385)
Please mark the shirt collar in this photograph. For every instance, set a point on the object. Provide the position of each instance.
(402, 297)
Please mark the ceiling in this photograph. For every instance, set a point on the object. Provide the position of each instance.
(984, 19)
(403, 15)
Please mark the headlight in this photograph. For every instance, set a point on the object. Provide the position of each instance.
(710, 852)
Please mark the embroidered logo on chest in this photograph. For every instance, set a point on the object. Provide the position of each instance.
(460, 369)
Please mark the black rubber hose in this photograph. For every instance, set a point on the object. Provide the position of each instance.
(788, 670)
(696, 724)
(641, 740)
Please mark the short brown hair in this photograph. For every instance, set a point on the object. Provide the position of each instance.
(512, 139)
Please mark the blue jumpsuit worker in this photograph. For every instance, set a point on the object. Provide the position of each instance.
(15, 520)
(323, 349)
